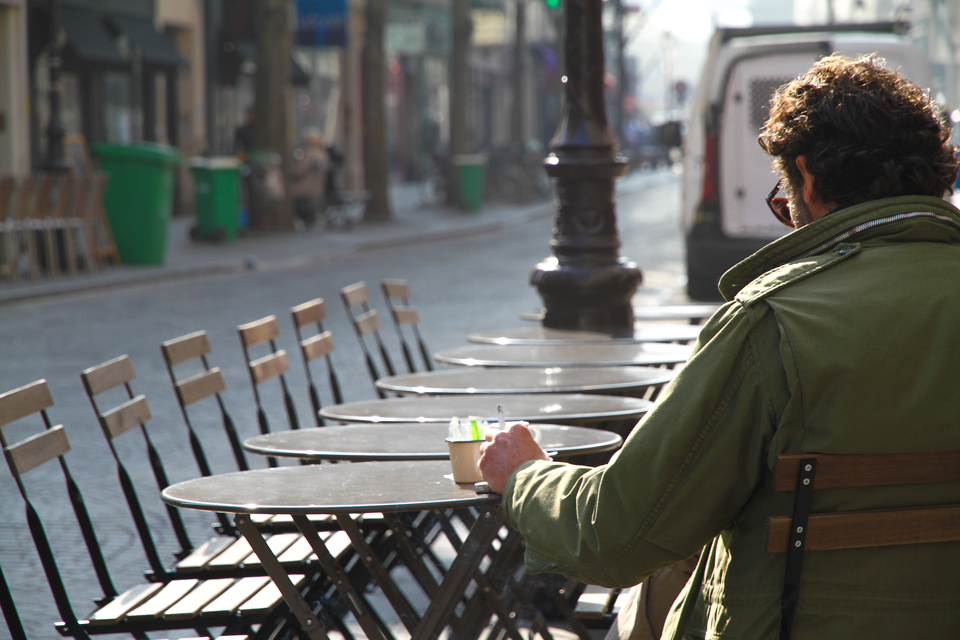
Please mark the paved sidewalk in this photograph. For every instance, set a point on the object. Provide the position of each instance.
(414, 222)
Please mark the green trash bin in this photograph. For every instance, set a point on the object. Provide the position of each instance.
(138, 197)
(217, 188)
(470, 168)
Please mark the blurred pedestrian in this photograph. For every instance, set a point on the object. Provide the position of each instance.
(310, 177)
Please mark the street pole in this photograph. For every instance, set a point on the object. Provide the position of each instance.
(585, 285)
(56, 159)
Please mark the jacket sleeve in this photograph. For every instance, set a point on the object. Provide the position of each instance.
(681, 476)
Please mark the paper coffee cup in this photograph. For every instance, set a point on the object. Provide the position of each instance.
(465, 460)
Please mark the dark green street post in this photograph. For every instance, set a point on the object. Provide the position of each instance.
(585, 284)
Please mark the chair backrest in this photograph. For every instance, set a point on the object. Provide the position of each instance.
(366, 323)
(272, 365)
(48, 444)
(7, 186)
(23, 201)
(314, 346)
(806, 472)
(118, 420)
(207, 383)
(404, 314)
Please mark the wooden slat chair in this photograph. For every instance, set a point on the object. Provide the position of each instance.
(8, 263)
(236, 605)
(397, 295)
(272, 365)
(313, 347)
(365, 322)
(9, 609)
(807, 532)
(207, 383)
(22, 258)
(65, 228)
(100, 235)
(220, 556)
(37, 223)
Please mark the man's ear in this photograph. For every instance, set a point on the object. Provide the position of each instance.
(809, 195)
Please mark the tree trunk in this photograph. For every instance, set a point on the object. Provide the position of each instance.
(462, 28)
(376, 160)
(518, 129)
(272, 102)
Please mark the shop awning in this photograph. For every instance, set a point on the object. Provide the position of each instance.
(88, 40)
(154, 48)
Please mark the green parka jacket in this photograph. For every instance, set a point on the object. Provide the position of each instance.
(841, 337)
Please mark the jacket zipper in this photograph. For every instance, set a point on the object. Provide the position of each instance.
(869, 225)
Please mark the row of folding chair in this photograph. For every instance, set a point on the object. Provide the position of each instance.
(52, 224)
(218, 583)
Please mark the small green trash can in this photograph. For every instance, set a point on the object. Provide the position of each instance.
(217, 188)
(138, 197)
(470, 168)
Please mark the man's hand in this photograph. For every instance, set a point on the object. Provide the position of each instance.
(502, 453)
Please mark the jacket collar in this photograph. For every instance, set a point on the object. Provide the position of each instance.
(847, 225)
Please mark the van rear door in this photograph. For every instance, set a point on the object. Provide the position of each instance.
(746, 172)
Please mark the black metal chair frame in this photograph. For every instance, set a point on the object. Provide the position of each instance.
(405, 314)
(367, 321)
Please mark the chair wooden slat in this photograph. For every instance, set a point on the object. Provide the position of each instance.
(268, 597)
(200, 386)
(269, 366)
(395, 288)
(317, 346)
(311, 311)
(125, 602)
(867, 470)
(37, 449)
(367, 322)
(230, 600)
(26, 400)
(406, 315)
(877, 528)
(129, 415)
(190, 605)
(297, 553)
(171, 593)
(108, 375)
(355, 294)
(203, 555)
(259, 331)
(186, 348)
(232, 556)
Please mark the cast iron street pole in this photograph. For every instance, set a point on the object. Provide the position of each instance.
(56, 160)
(585, 285)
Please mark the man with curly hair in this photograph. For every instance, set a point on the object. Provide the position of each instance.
(841, 337)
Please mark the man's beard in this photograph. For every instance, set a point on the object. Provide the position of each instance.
(799, 212)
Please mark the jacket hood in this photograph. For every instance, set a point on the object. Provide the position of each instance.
(854, 224)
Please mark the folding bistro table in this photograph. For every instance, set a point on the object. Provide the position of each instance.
(642, 332)
(413, 441)
(616, 381)
(591, 354)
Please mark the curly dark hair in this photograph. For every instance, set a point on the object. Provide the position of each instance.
(866, 132)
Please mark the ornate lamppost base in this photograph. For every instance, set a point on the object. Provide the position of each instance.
(589, 297)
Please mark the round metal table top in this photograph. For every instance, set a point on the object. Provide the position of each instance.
(595, 354)
(478, 380)
(560, 408)
(329, 488)
(642, 332)
(408, 441)
(688, 311)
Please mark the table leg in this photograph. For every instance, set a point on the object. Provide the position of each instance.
(405, 611)
(308, 621)
(458, 577)
(340, 580)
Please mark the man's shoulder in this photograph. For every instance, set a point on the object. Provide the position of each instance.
(792, 272)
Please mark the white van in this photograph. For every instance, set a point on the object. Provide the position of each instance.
(726, 173)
